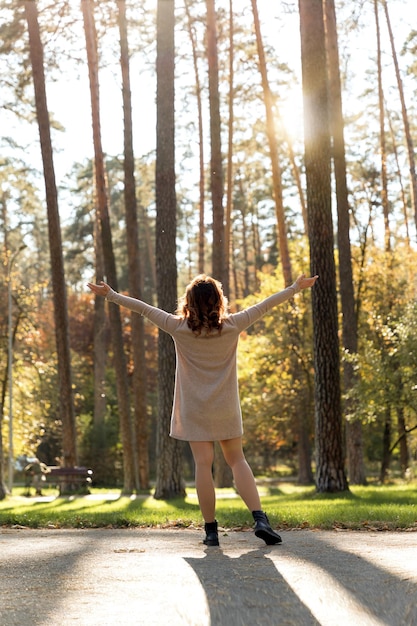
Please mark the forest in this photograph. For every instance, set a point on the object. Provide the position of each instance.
(146, 142)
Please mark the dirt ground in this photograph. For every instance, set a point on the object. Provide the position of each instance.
(103, 577)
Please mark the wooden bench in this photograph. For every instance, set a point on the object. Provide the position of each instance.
(70, 479)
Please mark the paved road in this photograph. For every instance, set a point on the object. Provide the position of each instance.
(106, 577)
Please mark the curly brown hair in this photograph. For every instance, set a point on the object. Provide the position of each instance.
(203, 305)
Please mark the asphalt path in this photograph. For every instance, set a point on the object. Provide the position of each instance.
(107, 577)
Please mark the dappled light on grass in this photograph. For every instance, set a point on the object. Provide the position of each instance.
(291, 506)
(385, 508)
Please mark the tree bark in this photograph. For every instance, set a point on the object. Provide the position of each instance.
(169, 482)
(126, 426)
(349, 320)
(201, 225)
(386, 447)
(382, 138)
(216, 166)
(100, 336)
(330, 472)
(273, 150)
(222, 472)
(402, 435)
(229, 177)
(135, 269)
(66, 403)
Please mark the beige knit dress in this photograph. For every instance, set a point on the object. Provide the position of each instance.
(206, 404)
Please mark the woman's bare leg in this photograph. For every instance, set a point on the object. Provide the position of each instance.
(242, 473)
(203, 453)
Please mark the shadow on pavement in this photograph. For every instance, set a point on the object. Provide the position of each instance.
(383, 594)
(247, 590)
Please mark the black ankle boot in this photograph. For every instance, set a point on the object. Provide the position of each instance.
(212, 537)
(263, 529)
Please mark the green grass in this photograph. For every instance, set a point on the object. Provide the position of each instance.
(392, 507)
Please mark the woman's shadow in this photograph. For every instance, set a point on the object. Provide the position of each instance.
(248, 590)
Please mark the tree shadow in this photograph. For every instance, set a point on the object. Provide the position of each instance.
(33, 582)
(387, 596)
(248, 590)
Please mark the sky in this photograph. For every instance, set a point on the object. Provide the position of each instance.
(69, 100)
(73, 111)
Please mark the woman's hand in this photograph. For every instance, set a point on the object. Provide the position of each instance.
(304, 283)
(100, 290)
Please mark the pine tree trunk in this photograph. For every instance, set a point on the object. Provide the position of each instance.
(169, 482)
(386, 447)
(382, 138)
(201, 225)
(330, 473)
(401, 424)
(216, 166)
(404, 455)
(229, 178)
(66, 404)
(222, 473)
(130, 482)
(273, 150)
(3, 488)
(100, 340)
(354, 448)
(135, 270)
(349, 320)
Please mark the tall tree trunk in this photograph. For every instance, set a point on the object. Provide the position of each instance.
(149, 245)
(3, 488)
(222, 473)
(100, 339)
(354, 441)
(229, 194)
(169, 482)
(5, 376)
(408, 136)
(386, 446)
(66, 403)
(394, 142)
(297, 178)
(273, 150)
(135, 270)
(277, 183)
(330, 472)
(382, 139)
(201, 226)
(126, 426)
(6, 383)
(386, 456)
(402, 435)
(216, 166)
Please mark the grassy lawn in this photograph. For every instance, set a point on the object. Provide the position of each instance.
(392, 507)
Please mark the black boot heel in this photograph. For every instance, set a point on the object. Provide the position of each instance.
(263, 529)
(212, 537)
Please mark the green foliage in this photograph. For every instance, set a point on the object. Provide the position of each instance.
(386, 362)
(276, 376)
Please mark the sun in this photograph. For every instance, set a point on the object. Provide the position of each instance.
(290, 116)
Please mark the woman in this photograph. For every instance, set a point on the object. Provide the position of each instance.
(206, 406)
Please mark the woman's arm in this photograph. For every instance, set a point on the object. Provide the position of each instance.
(165, 321)
(245, 318)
